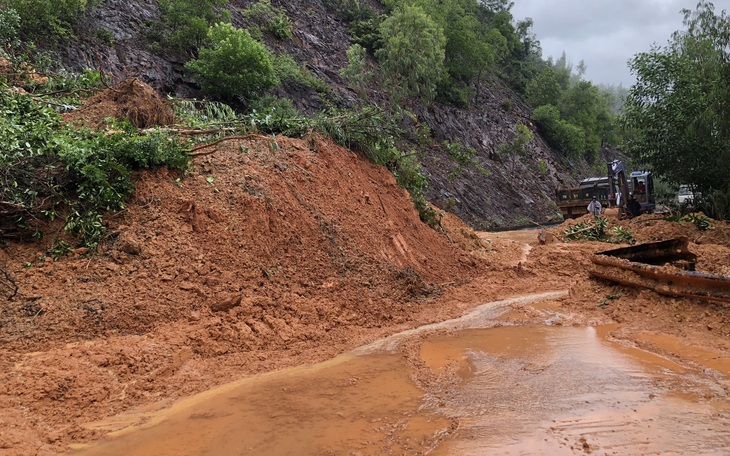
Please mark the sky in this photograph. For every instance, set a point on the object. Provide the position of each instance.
(605, 34)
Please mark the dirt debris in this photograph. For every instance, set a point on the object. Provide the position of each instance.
(131, 100)
(269, 257)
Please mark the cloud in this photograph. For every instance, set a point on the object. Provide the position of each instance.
(605, 34)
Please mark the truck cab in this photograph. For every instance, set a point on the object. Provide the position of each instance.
(642, 187)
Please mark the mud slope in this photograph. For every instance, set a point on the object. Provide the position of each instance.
(267, 246)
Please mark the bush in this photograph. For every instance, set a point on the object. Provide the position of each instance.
(38, 17)
(569, 138)
(9, 29)
(287, 69)
(413, 52)
(233, 64)
(186, 22)
(356, 73)
(270, 18)
(49, 169)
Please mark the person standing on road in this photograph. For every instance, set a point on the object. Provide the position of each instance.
(594, 207)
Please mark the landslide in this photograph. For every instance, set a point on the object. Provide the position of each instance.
(270, 252)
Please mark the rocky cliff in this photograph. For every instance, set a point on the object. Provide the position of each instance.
(492, 191)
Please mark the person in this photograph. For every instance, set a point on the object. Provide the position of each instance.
(633, 206)
(594, 207)
(640, 188)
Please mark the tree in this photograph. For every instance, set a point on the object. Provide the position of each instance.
(187, 21)
(233, 64)
(412, 56)
(38, 17)
(678, 110)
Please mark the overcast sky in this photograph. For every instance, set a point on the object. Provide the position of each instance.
(604, 33)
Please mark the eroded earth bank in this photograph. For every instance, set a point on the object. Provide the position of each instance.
(274, 253)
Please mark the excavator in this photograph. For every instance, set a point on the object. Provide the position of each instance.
(632, 194)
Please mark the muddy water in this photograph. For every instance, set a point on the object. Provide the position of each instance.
(471, 387)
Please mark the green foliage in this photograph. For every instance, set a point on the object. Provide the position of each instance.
(366, 33)
(357, 72)
(412, 56)
(569, 138)
(351, 10)
(584, 120)
(623, 236)
(203, 113)
(368, 130)
(233, 64)
(50, 170)
(287, 69)
(9, 30)
(698, 220)
(186, 22)
(276, 115)
(718, 204)
(592, 230)
(544, 88)
(543, 167)
(39, 18)
(270, 18)
(469, 48)
(595, 230)
(518, 146)
(461, 156)
(678, 111)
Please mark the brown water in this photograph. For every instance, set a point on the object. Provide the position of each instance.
(509, 390)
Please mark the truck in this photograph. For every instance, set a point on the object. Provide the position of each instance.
(632, 194)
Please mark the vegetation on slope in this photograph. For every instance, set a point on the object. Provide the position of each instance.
(450, 47)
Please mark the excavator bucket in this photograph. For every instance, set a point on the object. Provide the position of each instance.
(666, 267)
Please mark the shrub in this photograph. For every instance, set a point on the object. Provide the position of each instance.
(288, 70)
(356, 72)
(186, 22)
(233, 64)
(523, 137)
(37, 17)
(9, 29)
(413, 52)
(49, 169)
(271, 18)
(569, 138)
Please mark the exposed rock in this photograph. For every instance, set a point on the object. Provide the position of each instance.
(491, 192)
(226, 303)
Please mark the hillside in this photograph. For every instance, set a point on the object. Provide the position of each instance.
(276, 252)
(490, 190)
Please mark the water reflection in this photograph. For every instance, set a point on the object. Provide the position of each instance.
(509, 390)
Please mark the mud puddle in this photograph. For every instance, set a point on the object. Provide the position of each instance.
(471, 387)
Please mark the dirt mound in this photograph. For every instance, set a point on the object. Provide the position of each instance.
(131, 99)
(280, 247)
(653, 227)
(24, 74)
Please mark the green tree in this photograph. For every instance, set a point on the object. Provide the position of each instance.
(413, 52)
(41, 16)
(678, 110)
(569, 138)
(544, 88)
(187, 21)
(356, 72)
(233, 64)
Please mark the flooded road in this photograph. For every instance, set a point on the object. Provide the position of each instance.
(471, 386)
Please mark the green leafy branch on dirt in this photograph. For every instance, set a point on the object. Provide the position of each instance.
(50, 170)
(596, 230)
(698, 220)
